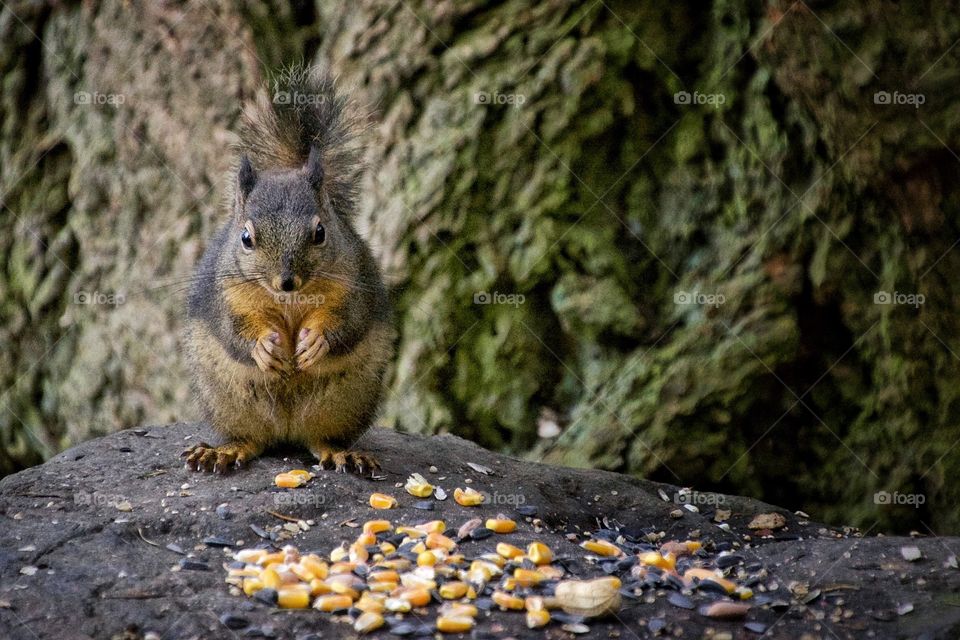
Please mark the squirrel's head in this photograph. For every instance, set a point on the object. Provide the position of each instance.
(286, 231)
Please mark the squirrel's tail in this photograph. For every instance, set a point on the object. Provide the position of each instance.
(305, 110)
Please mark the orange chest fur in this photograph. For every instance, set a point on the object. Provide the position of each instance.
(261, 312)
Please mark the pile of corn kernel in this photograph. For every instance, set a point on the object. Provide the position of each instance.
(396, 583)
(374, 579)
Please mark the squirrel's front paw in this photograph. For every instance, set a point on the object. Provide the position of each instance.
(312, 346)
(268, 354)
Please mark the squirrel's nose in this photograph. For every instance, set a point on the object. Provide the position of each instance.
(286, 283)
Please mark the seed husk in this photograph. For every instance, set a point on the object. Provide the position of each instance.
(589, 598)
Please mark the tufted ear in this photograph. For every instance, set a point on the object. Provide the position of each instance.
(246, 179)
(314, 168)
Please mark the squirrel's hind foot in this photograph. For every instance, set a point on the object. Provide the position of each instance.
(342, 460)
(203, 457)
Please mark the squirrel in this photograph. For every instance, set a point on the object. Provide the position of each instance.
(289, 324)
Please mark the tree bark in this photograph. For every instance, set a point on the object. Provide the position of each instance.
(545, 201)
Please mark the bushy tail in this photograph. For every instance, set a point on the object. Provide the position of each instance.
(303, 110)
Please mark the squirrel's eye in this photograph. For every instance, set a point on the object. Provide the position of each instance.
(320, 235)
(246, 239)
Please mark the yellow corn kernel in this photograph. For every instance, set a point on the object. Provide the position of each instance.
(467, 498)
(376, 526)
(656, 559)
(382, 587)
(602, 548)
(383, 576)
(494, 558)
(301, 572)
(440, 541)
(434, 526)
(337, 554)
(413, 581)
(539, 553)
(527, 577)
(492, 568)
(333, 602)
(270, 558)
(339, 568)
(251, 572)
(693, 545)
(252, 556)
(508, 584)
(418, 486)
(508, 550)
(252, 585)
(270, 578)
(289, 481)
(453, 590)
(370, 605)
(507, 601)
(366, 539)
(457, 624)
(550, 572)
(411, 532)
(744, 593)
(430, 558)
(382, 501)
(318, 587)
(534, 603)
(455, 609)
(416, 597)
(359, 553)
(398, 605)
(303, 473)
(501, 525)
(420, 547)
(315, 565)
(293, 598)
(396, 564)
(538, 618)
(368, 621)
(387, 548)
(455, 558)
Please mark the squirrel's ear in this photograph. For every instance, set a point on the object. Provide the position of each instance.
(314, 168)
(246, 179)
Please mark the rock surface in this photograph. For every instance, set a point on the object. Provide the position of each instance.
(91, 545)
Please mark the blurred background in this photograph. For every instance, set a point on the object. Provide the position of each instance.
(712, 244)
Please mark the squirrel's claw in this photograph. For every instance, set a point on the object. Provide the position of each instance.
(344, 461)
(313, 345)
(203, 457)
(268, 354)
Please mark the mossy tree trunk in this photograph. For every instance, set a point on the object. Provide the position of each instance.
(542, 159)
